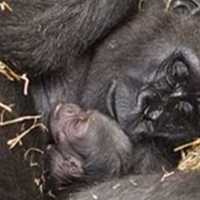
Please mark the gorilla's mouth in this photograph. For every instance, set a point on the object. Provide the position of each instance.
(174, 114)
(176, 120)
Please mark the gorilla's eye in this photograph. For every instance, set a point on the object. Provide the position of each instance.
(185, 7)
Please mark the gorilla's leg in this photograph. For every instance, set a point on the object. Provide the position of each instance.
(49, 34)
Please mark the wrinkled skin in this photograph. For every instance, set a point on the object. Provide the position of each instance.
(140, 68)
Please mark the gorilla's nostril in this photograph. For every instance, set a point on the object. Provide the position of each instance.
(185, 107)
(180, 70)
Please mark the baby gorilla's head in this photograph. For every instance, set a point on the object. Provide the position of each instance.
(86, 146)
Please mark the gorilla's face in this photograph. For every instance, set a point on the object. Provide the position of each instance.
(155, 64)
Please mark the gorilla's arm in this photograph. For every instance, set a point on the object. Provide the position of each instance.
(55, 37)
(152, 187)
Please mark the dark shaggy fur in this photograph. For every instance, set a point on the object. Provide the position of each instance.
(140, 68)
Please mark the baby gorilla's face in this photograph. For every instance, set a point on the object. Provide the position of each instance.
(86, 146)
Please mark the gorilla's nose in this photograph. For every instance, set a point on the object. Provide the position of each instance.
(180, 75)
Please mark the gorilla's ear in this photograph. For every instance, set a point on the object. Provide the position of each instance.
(120, 100)
(128, 100)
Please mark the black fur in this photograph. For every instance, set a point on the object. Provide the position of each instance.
(151, 187)
(140, 68)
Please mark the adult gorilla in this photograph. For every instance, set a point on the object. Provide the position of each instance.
(142, 70)
(73, 27)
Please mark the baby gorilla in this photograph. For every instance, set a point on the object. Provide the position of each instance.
(86, 147)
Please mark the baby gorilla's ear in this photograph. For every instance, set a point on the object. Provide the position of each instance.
(60, 169)
(68, 123)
